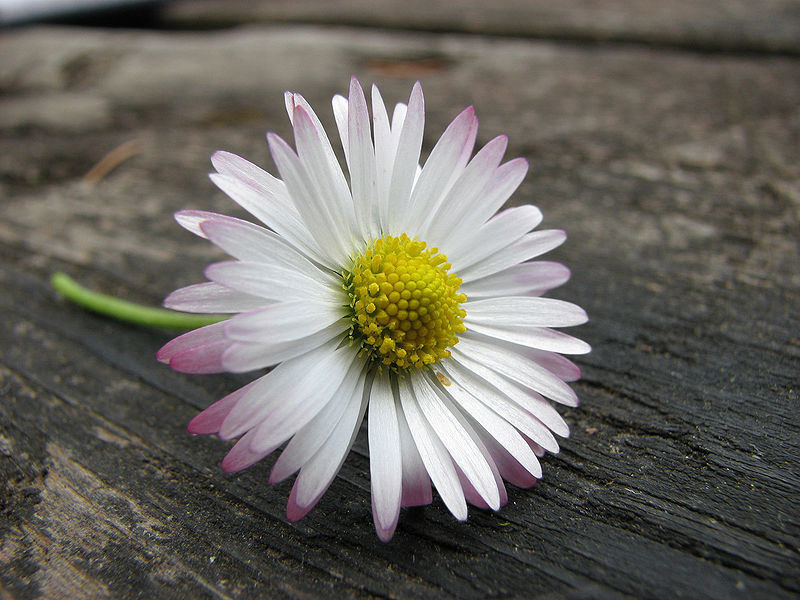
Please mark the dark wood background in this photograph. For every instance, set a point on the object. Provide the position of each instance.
(663, 137)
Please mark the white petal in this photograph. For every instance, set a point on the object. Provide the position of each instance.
(211, 297)
(314, 210)
(239, 357)
(530, 278)
(560, 366)
(288, 383)
(466, 192)
(446, 162)
(496, 426)
(362, 162)
(385, 462)
(251, 243)
(434, 455)
(406, 160)
(263, 196)
(529, 246)
(524, 311)
(453, 434)
(534, 337)
(272, 281)
(384, 155)
(289, 104)
(398, 118)
(316, 475)
(301, 404)
(340, 109)
(283, 321)
(504, 182)
(315, 152)
(313, 436)
(499, 232)
(496, 394)
(525, 372)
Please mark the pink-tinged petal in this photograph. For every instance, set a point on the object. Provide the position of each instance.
(466, 192)
(385, 459)
(416, 483)
(456, 435)
(406, 160)
(211, 297)
(201, 360)
(295, 512)
(525, 279)
(499, 232)
(433, 453)
(537, 449)
(242, 455)
(193, 339)
(191, 220)
(555, 363)
(508, 467)
(524, 311)
(471, 495)
(317, 474)
(210, 420)
(529, 246)
(445, 163)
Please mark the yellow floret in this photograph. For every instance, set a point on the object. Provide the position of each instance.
(405, 303)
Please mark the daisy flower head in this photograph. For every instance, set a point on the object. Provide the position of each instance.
(393, 291)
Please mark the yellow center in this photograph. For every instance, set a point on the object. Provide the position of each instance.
(405, 304)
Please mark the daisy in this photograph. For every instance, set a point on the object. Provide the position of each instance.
(396, 291)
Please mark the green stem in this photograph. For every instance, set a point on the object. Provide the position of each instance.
(128, 311)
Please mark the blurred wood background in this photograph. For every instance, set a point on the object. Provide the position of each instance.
(663, 138)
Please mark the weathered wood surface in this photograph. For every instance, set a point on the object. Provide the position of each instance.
(712, 25)
(676, 176)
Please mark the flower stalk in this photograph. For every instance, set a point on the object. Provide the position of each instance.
(129, 312)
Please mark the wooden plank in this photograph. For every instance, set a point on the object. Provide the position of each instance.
(714, 25)
(676, 177)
